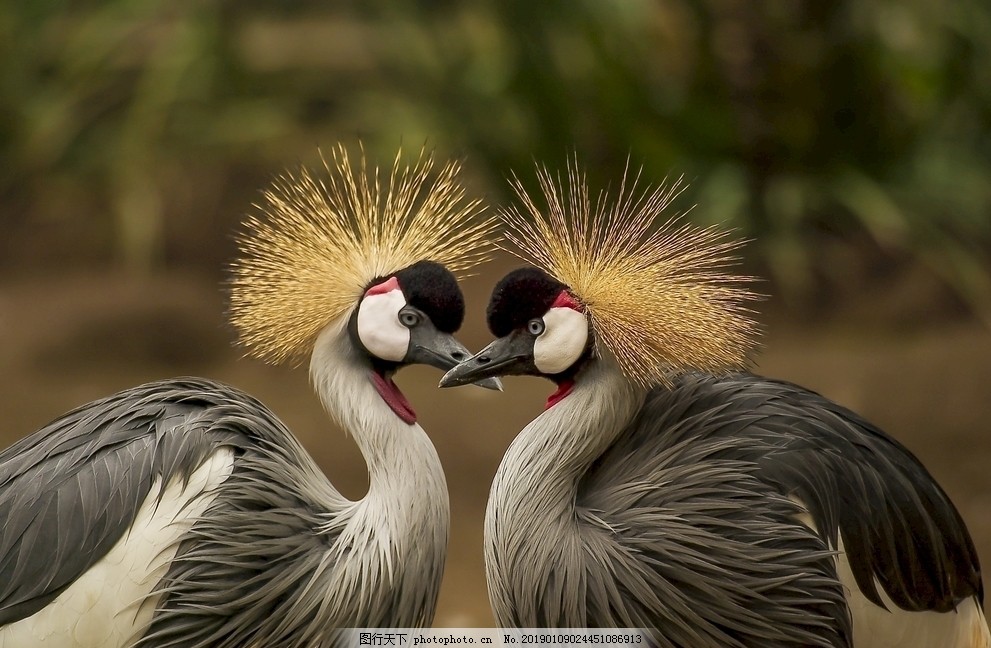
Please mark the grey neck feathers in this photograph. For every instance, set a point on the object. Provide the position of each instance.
(405, 513)
(546, 460)
(530, 522)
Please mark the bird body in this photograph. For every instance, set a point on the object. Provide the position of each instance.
(665, 487)
(184, 513)
(662, 530)
(681, 475)
(246, 523)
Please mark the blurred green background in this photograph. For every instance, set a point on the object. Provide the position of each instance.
(850, 140)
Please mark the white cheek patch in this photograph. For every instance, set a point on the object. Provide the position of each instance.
(562, 342)
(379, 328)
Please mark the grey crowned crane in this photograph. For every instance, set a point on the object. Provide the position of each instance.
(184, 513)
(666, 487)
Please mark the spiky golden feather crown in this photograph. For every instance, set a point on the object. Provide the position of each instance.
(656, 292)
(318, 242)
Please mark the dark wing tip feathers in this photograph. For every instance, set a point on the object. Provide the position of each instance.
(898, 525)
(520, 296)
(433, 289)
(910, 535)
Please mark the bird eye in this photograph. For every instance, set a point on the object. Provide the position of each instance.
(535, 326)
(409, 319)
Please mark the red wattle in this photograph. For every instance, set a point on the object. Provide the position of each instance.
(562, 390)
(565, 300)
(394, 398)
(386, 286)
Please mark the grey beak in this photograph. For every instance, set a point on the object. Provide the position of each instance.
(441, 350)
(509, 355)
(490, 383)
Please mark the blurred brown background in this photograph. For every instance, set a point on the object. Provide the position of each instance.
(850, 140)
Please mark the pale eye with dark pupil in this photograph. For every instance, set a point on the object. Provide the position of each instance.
(409, 319)
(535, 326)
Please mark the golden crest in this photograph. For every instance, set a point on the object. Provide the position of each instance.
(656, 289)
(319, 240)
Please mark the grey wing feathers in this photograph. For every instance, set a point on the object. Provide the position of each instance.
(710, 554)
(711, 463)
(253, 568)
(69, 491)
(256, 569)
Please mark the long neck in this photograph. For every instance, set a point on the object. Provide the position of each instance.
(400, 457)
(534, 493)
(406, 512)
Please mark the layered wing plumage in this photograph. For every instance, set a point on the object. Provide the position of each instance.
(71, 490)
(707, 486)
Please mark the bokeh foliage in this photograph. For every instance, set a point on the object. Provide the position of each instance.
(137, 132)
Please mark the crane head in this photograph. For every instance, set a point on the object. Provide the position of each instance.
(614, 277)
(410, 318)
(325, 241)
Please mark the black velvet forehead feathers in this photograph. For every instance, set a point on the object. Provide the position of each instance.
(433, 289)
(520, 296)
